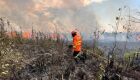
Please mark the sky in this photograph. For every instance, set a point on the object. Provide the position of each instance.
(66, 15)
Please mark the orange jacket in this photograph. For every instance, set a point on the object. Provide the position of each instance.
(77, 42)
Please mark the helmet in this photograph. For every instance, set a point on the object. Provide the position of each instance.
(73, 33)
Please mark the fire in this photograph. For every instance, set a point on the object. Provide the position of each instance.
(26, 35)
(11, 34)
(14, 34)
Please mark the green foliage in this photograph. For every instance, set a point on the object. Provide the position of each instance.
(129, 55)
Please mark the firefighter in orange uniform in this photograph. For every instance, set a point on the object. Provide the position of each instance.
(77, 44)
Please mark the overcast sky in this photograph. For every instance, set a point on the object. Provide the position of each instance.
(66, 15)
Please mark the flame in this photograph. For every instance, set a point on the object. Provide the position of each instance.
(11, 34)
(26, 35)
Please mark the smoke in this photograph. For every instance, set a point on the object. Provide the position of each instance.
(61, 15)
(88, 2)
(49, 15)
